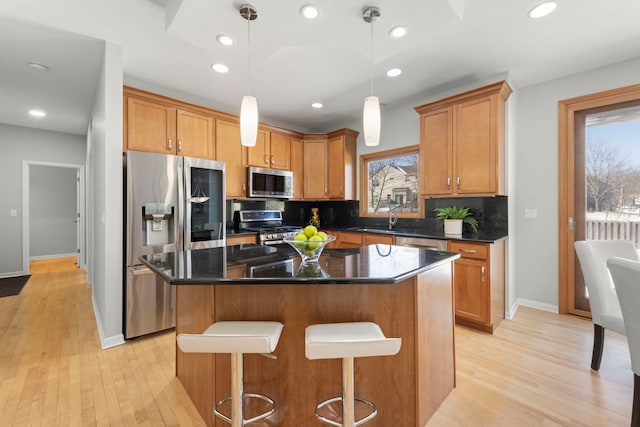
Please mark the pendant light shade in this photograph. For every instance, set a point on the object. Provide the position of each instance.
(371, 121)
(249, 106)
(371, 113)
(249, 121)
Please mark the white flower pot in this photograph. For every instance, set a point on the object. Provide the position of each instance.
(453, 226)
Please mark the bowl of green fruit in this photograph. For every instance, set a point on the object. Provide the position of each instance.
(309, 243)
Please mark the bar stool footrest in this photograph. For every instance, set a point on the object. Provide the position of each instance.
(265, 414)
(372, 414)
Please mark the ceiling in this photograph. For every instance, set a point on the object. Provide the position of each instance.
(172, 43)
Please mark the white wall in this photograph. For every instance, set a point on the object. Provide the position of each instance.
(19, 144)
(105, 204)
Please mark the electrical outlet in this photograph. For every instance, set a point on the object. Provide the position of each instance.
(531, 213)
(13, 212)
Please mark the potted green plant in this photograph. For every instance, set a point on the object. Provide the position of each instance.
(453, 218)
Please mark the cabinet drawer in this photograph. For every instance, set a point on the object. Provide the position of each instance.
(353, 238)
(469, 250)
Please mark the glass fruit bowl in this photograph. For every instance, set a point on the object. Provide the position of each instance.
(311, 271)
(309, 250)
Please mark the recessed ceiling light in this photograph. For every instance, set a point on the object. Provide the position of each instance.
(225, 40)
(543, 9)
(309, 11)
(37, 113)
(397, 32)
(317, 105)
(394, 72)
(220, 68)
(37, 66)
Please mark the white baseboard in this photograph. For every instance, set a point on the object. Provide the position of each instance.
(12, 274)
(31, 258)
(105, 342)
(509, 314)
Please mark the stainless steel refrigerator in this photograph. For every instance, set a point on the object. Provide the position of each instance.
(172, 203)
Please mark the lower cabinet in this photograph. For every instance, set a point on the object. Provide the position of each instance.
(242, 239)
(478, 277)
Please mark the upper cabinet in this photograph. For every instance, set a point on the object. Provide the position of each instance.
(230, 150)
(316, 186)
(272, 150)
(462, 143)
(160, 127)
(341, 147)
(297, 167)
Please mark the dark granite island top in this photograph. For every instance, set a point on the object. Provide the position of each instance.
(280, 264)
(407, 291)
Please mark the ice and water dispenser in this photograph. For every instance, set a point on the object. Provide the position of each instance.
(158, 223)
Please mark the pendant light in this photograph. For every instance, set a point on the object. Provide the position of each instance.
(249, 106)
(371, 112)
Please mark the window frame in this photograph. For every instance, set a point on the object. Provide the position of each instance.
(365, 159)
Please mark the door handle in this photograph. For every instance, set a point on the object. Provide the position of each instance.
(169, 144)
(179, 145)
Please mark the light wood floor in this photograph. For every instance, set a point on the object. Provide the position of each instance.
(534, 371)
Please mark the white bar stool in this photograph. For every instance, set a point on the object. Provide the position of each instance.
(346, 341)
(236, 338)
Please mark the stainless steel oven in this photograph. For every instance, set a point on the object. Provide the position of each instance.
(267, 224)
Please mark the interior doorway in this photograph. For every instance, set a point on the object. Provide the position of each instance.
(581, 198)
(53, 207)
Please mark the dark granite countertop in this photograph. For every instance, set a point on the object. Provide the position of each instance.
(280, 264)
(481, 236)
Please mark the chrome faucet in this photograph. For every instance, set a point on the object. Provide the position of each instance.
(392, 219)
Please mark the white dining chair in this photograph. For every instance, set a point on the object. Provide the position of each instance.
(626, 277)
(605, 308)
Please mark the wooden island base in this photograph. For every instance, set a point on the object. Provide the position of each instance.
(407, 388)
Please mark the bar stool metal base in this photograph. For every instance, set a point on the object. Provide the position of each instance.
(374, 411)
(266, 414)
(237, 397)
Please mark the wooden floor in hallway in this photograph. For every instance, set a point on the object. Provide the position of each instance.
(534, 371)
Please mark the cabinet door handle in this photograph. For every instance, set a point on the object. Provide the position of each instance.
(482, 273)
(266, 159)
(448, 182)
(169, 144)
(458, 182)
(244, 187)
(468, 251)
(179, 145)
(273, 160)
(341, 190)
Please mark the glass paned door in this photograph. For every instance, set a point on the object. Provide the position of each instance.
(607, 177)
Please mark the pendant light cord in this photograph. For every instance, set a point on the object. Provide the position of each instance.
(371, 56)
(249, 53)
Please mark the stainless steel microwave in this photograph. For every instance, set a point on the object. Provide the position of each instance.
(269, 183)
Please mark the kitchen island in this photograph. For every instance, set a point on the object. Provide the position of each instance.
(407, 291)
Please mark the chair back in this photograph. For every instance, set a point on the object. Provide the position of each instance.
(626, 276)
(593, 256)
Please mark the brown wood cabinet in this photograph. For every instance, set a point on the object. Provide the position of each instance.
(341, 166)
(315, 167)
(348, 239)
(373, 239)
(161, 127)
(297, 166)
(478, 282)
(242, 239)
(272, 150)
(462, 143)
(229, 149)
